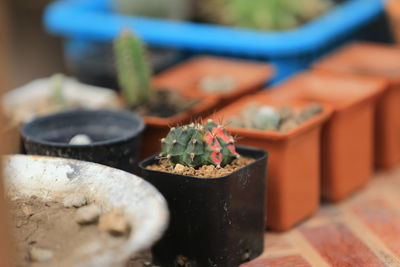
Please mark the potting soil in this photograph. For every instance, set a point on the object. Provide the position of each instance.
(206, 171)
(47, 234)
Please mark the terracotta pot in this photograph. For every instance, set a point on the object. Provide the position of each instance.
(294, 161)
(380, 61)
(347, 139)
(393, 10)
(248, 76)
(157, 128)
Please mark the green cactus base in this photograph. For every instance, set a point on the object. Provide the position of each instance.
(196, 145)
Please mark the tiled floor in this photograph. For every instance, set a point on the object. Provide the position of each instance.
(362, 231)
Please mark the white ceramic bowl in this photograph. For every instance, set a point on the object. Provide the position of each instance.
(54, 178)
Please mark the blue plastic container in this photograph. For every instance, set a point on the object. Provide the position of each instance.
(87, 21)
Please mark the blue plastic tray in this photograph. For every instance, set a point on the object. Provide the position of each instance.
(290, 51)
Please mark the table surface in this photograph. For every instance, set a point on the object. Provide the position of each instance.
(364, 230)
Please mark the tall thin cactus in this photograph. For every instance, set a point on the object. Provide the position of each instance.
(133, 70)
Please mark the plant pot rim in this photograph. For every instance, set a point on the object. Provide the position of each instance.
(144, 163)
(381, 85)
(263, 134)
(328, 62)
(185, 116)
(264, 73)
(131, 115)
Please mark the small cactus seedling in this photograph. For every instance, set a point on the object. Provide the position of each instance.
(196, 145)
(133, 70)
(57, 84)
(263, 14)
(283, 119)
(266, 118)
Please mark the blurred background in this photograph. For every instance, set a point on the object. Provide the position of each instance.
(33, 47)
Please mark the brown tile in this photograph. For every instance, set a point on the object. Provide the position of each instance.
(383, 221)
(287, 261)
(339, 246)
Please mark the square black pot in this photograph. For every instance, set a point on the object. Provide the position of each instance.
(216, 221)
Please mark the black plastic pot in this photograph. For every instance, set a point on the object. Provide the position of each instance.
(216, 221)
(116, 137)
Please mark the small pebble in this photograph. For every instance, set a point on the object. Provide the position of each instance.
(288, 125)
(113, 222)
(80, 139)
(88, 214)
(40, 254)
(27, 210)
(74, 200)
(179, 168)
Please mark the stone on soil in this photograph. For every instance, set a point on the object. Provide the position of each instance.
(88, 214)
(74, 200)
(113, 222)
(40, 254)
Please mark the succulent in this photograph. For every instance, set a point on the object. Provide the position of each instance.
(309, 112)
(133, 70)
(266, 118)
(196, 145)
(57, 84)
(263, 14)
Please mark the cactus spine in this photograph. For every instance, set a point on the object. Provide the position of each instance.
(196, 145)
(133, 70)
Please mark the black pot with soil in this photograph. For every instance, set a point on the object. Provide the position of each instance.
(215, 221)
(108, 137)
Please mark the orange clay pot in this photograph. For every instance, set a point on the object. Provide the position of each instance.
(157, 128)
(393, 10)
(347, 139)
(380, 61)
(248, 77)
(293, 183)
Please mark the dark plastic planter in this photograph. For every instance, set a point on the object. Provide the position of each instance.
(216, 221)
(116, 137)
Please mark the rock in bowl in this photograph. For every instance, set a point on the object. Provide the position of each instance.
(52, 180)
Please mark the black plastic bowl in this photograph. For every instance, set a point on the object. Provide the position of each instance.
(116, 137)
(214, 222)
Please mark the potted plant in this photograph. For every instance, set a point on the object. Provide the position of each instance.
(348, 138)
(161, 107)
(293, 143)
(375, 60)
(211, 76)
(216, 197)
(112, 138)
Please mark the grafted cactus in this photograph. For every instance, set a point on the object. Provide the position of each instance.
(133, 70)
(196, 145)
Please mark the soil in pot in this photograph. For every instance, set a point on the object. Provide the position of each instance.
(205, 171)
(165, 104)
(264, 117)
(64, 232)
